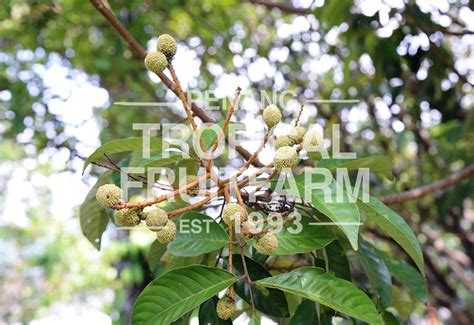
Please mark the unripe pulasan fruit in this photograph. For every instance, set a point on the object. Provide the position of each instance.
(312, 140)
(283, 141)
(193, 191)
(128, 217)
(285, 157)
(167, 45)
(267, 244)
(271, 115)
(225, 307)
(166, 234)
(297, 134)
(231, 212)
(250, 228)
(156, 62)
(156, 219)
(108, 195)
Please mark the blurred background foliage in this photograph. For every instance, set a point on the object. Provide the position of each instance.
(410, 63)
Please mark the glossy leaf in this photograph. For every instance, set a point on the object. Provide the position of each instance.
(394, 226)
(272, 302)
(154, 255)
(208, 314)
(377, 272)
(123, 145)
(197, 234)
(92, 216)
(337, 260)
(411, 278)
(306, 313)
(315, 284)
(378, 164)
(344, 214)
(177, 292)
(162, 159)
(310, 236)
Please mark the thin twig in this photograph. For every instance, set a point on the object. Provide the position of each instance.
(418, 192)
(247, 275)
(222, 131)
(163, 197)
(299, 115)
(141, 52)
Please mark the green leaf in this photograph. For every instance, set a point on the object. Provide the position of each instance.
(337, 261)
(209, 135)
(402, 302)
(390, 319)
(315, 284)
(345, 214)
(311, 237)
(92, 216)
(163, 159)
(378, 164)
(154, 255)
(123, 145)
(394, 226)
(411, 278)
(306, 313)
(273, 302)
(197, 234)
(208, 314)
(377, 271)
(177, 292)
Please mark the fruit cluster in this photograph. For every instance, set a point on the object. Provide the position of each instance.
(157, 61)
(233, 214)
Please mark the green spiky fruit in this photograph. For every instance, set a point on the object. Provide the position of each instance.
(166, 234)
(267, 244)
(225, 307)
(249, 228)
(128, 217)
(297, 134)
(108, 195)
(312, 140)
(156, 62)
(285, 157)
(231, 212)
(167, 45)
(193, 191)
(271, 115)
(283, 141)
(156, 218)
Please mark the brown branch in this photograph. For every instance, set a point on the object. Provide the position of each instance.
(282, 6)
(299, 115)
(247, 275)
(418, 192)
(163, 197)
(141, 53)
(188, 208)
(189, 113)
(224, 127)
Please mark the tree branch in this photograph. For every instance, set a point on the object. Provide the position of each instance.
(141, 53)
(288, 7)
(430, 188)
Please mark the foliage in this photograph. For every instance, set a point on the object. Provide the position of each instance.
(414, 119)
